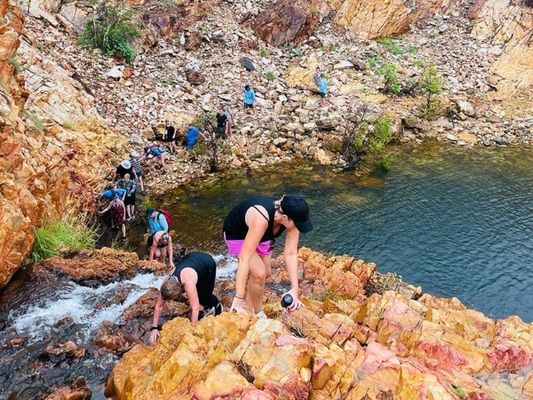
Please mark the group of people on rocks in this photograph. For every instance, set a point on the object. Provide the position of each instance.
(249, 231)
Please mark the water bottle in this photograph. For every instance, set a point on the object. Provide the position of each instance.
(286, 300)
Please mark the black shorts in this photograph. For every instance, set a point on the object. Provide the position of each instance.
(130, 200)
(167, 139)
(139, 174)
(248, 105)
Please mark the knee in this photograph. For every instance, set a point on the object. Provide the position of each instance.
(259, 276)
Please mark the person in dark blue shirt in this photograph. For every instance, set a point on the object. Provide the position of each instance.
(192, 137)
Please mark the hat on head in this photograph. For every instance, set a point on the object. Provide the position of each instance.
(296, 208)
(134, 154)
(125, 164)
(149, 211)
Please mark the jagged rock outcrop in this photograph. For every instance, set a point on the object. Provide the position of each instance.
(53, 147)
(508, 23)
(383, 346)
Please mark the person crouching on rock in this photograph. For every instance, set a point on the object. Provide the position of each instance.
(249, 229)
(192, 279)
(160, 246)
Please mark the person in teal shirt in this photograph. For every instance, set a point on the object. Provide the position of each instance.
(249, 97)
(322, 86)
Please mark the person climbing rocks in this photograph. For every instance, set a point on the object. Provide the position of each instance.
(223, 124)
(129, 200)
(249, 231)
(249, 97)
(170, 136)
(156, 222)
(135, 159)
(123, 169)
(111, 190)
(317, 75)
(323, 86)
(118, 212)
(192, 137)
(156, 151)
(193, 279)
(160, 247)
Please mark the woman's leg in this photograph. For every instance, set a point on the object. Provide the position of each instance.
(124, 230)
(256, 283)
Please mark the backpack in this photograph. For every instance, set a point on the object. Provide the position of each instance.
(166, 214)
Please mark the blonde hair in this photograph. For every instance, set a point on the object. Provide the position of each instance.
(171, 289)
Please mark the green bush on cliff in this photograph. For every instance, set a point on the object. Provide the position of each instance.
(431, 85)
(68, 232)
(112, 29)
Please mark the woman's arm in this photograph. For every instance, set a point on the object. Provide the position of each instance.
(189, 278)
(154, 334)
(106, 209)
(291, 261)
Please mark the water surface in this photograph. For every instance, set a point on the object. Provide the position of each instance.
(457, 222)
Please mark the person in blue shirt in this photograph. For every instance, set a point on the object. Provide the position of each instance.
(323, 86)
(192, 137)
(156, 222)
(111, 190)
(249, 97)
(157, 152)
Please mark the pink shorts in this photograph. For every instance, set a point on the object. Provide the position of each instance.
(235, 247)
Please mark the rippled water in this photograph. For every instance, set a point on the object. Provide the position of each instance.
(457, 222)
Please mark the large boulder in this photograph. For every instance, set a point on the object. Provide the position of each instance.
(375, 18)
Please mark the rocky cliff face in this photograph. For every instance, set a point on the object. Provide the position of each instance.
(384, 346)
(54, 147)
(508, 23)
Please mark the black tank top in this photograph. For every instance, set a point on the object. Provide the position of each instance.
(235, 226)
(202, 263)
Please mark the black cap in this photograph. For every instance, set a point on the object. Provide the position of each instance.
(296, 208)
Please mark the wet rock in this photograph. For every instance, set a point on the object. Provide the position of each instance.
(62, 351)
(92, 267)
(118, 343)
(77, 391)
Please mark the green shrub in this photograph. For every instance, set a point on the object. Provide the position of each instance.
(384, 163)
(271, 76)
(390, 46)
(431, 85)
(412, 50)
(112, 29)
(68, 232)
(14, 61)
(375, 62)
(380, 134)
(264, 53)
(418, 63)
(392, 83)
(145, 204)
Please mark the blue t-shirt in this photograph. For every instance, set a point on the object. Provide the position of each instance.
(109, 194)
(323, 85)
(249, 96)
(192, 137)
(159, 223)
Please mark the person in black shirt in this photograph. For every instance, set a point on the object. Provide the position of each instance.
(249, 229)
(195, 275)
(124, 168)
(170, 137)
(222, 124)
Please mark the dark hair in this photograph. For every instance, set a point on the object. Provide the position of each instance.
(247, 87)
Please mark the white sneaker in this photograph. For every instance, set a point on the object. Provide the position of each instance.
(261, 315)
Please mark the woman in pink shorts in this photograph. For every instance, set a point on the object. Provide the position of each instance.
(249, 229)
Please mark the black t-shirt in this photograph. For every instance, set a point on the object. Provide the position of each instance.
(171, 131)
(206, 268)
(121, 171)
(221, 120)
(235, 226)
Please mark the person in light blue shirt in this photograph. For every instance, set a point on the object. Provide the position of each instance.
(111, 190)
(249, 97)
(192, 137)
(156, 221)
(323, 86)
